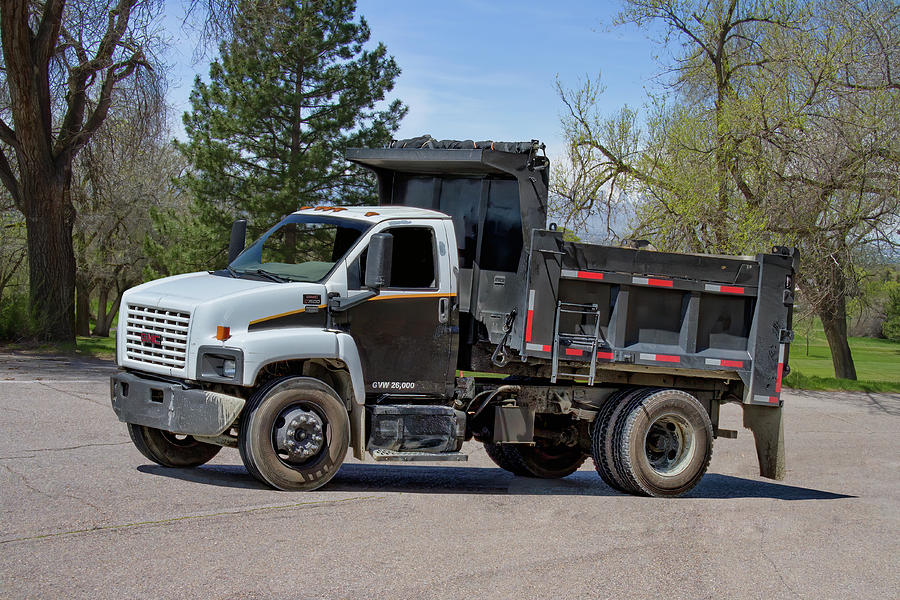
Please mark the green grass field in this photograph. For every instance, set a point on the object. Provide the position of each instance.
(877, 363)
(96, 346)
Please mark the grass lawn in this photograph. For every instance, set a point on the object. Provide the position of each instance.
(96, 346)
(877, 363)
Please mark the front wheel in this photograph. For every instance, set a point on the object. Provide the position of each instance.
(170, 449)
(294, 434)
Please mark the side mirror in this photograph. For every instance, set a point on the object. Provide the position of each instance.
(238, 235)
(378, 263)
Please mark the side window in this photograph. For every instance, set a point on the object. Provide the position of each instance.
(413, 262)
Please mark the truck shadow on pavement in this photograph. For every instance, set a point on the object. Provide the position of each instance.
(486, 480)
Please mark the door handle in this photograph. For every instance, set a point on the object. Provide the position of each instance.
(443, 310)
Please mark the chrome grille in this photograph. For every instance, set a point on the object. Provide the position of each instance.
(170, 325)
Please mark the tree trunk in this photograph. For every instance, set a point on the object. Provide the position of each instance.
(101, 309)
(104, 317)
(82, 310)
(49, 218)
(835, 324)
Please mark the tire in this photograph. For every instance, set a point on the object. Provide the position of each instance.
(663, 443)
(602, 434)
(169, 449)
(545, 461)
(294, 434)
(498, 454)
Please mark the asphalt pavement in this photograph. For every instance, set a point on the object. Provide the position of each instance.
(84, 515)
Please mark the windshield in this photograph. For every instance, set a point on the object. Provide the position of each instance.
(300, 248)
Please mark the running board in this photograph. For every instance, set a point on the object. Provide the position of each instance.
(381, 455)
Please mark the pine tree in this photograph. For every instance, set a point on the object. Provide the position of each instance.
(293, 89)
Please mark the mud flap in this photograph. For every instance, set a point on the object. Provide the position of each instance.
(767, 426)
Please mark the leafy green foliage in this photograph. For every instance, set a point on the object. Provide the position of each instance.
(181, 242)
(294, 88)
(891, 326)
(15, 317)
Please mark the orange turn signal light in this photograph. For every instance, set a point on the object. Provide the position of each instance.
(223, 333)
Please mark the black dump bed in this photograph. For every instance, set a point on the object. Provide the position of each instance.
(593, 309)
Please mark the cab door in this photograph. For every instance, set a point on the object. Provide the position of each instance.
(404, 335)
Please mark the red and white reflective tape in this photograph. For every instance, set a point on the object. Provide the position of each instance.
(653, 281)
(724, 289)
(721, 362)
(765, 399)
(780, 368)
(538, 347)
(579, 352)
(660, 357)
(530, 318)
(570, 274)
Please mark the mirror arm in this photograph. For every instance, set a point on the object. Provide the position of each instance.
(339, 304)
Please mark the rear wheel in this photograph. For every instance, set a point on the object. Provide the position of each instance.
(294, 434)
(602, 436)
(663, 443)
(545, 460)
(500, 455)
(171, 449)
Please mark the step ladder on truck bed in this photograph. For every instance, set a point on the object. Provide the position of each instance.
(564, 342)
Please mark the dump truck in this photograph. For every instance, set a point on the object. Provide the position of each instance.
(452, 312)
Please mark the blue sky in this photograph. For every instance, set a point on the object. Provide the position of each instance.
(481, 69)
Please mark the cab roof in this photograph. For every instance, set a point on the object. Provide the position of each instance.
(373, 214)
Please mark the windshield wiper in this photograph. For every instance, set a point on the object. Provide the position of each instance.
(232, 272)
(270, 276)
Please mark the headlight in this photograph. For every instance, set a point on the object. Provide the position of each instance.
(215, 363)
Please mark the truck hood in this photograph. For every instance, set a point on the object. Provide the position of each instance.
(207, 302)
(189, 290)
(229, 301)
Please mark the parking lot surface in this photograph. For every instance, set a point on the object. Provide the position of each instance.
(84, 515)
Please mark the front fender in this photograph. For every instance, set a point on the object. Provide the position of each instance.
(265, 347)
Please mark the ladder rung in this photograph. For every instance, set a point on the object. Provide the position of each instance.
(582, 340)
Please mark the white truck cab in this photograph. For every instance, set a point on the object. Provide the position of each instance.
(268, 312)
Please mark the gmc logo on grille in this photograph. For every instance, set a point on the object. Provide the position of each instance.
(154, 339)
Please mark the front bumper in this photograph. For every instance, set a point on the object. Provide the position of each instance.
(171, 406)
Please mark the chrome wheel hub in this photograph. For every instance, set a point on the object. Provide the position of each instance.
(669, 445)
(299, 434)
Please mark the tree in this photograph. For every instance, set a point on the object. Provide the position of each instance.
(62, 62)
(292, 90)
(781, 127)
(124, 172)
(891, 326)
